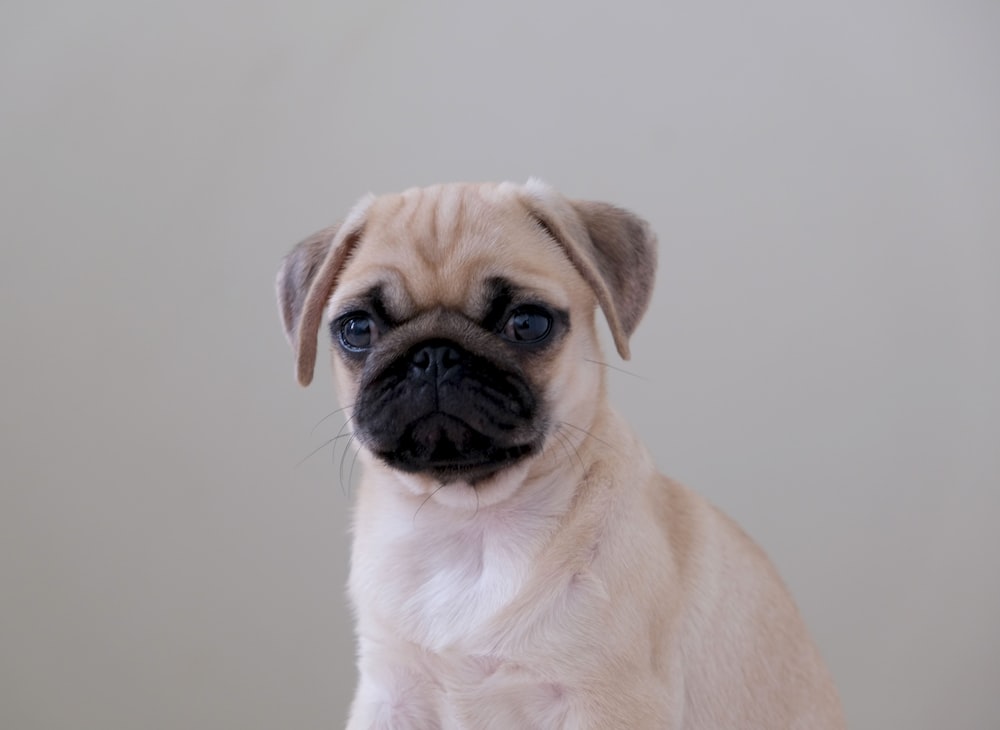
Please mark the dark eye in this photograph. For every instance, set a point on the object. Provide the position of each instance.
(358, 332)
(528, 324)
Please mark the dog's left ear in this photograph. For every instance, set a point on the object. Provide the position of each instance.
(614, 251)
(307, 279)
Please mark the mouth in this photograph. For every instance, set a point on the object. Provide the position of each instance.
(448, 449)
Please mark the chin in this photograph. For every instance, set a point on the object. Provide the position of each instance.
(448, 464)
(463, 494)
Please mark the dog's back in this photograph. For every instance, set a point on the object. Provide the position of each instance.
(743, 648)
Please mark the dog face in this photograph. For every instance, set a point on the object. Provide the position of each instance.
(461, 319)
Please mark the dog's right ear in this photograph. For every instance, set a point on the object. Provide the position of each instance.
(296, 274)
(306, 280)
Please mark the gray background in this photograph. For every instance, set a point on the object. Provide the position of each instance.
(821, 356)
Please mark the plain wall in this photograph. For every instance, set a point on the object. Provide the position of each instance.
(820, 358)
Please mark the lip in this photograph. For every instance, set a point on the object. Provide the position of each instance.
(448, 464)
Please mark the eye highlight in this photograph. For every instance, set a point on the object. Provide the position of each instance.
(357, 332)
(527, 325)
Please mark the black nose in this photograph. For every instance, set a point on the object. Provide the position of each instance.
(435, 360)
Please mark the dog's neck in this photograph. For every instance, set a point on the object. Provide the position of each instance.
(451, 563)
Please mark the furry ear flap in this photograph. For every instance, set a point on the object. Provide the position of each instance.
(298, 269)
(613, 249)
(306, 280)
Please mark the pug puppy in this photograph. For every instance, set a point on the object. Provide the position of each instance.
(517, 560)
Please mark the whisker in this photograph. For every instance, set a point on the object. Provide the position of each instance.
(620, 370)
(561, 439)
(567, 443)
(317, 449)
(350, 474)
(328, 416)
(333, 454)
(345, 488)
(545, 444)
(440, 487)
(340, 431)
(583, 430)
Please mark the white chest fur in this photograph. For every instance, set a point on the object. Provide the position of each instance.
(453, 613)
(432, 575)
(503, 616)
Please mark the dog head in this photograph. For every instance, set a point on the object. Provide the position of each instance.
(462, 319)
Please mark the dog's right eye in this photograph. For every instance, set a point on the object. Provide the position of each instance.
(357, 332)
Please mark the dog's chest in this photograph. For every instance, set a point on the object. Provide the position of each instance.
(437, 585)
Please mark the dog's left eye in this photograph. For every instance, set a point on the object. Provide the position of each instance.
(527, 324)
(358, 332)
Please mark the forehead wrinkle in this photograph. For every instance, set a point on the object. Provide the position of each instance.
(387, 278)
(439, 218)
(386, 207)
(447, 240)
(441, 227)
(447, 215)
(412, 200)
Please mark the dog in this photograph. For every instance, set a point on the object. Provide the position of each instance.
(517, 561)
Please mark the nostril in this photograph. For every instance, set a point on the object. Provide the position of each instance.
(435, 360)
(449, 357)
(421, 358)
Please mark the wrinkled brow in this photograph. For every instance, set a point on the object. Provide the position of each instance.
(373, 300)
(498, 294)
(495, 298)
